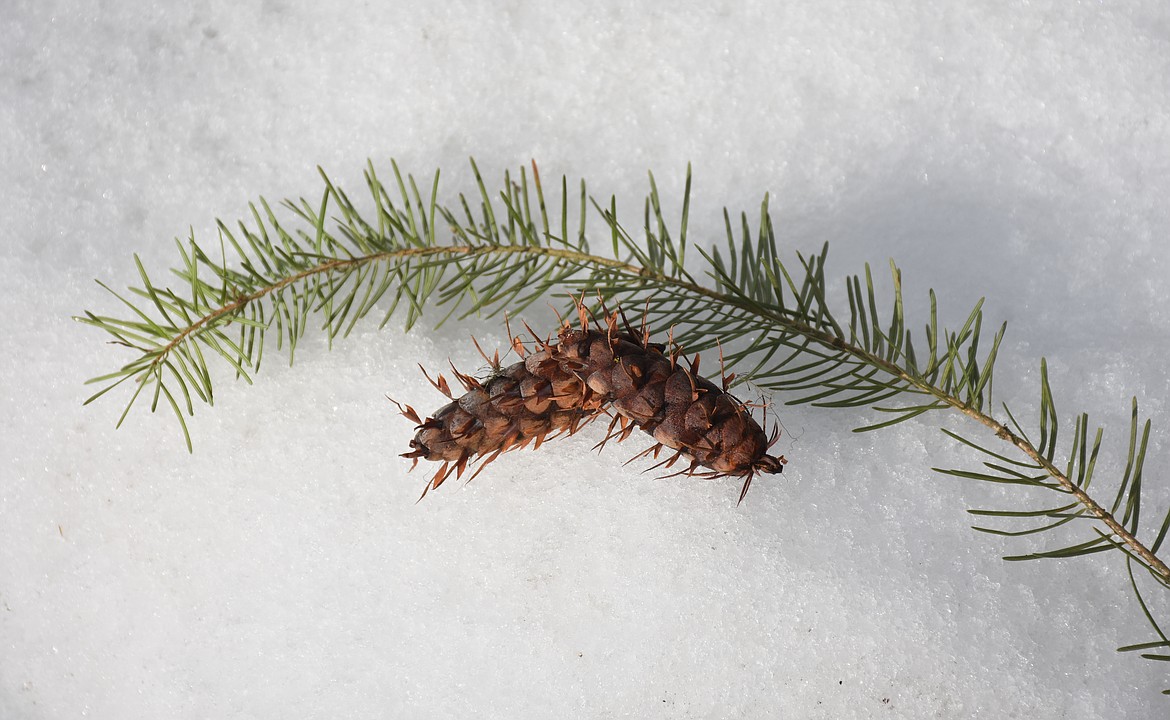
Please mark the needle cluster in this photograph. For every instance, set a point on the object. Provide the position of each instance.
(785, 328)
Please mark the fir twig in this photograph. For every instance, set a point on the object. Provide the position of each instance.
(505, 252)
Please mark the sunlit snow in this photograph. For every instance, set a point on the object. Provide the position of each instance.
(1014, 151)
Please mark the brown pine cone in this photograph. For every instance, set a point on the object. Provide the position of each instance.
(566, 384)
(687, 413)
(529, 401)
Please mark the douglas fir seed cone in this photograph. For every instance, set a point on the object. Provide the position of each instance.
(525, 402)
(566, 384)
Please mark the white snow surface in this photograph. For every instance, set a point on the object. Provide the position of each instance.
(1018, 151)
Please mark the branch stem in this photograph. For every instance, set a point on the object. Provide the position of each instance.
(769, 313)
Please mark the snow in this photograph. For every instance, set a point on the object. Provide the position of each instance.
(1008, 150)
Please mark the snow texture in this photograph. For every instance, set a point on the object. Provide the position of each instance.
(1013, 150)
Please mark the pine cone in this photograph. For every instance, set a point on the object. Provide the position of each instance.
(587, 372)
(689, 414)
(529, 401)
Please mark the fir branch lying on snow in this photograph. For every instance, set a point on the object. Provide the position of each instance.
(510, 251)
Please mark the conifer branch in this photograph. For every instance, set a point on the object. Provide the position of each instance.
(778, 321)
